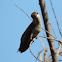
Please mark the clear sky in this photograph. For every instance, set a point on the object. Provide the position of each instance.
(13, 22)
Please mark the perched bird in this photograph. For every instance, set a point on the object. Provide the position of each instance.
(31, 32)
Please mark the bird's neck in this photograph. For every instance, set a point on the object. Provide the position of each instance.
(37, 21)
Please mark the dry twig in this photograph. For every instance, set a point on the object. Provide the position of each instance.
(56, 18)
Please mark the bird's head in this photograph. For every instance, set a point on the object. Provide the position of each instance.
(36, 17)
(34, 14)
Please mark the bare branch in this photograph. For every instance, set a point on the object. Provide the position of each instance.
(47, 27)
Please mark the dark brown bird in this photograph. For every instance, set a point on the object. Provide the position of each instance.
(31, 32)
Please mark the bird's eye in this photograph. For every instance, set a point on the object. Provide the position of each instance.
(37, 13)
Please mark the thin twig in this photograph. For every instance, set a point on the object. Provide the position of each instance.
(44, 49)
(58, 50)
(48, 32)
(31, 51)
(60, 47)
(39, 54)
(50, 38)
(23, 11)
(53, 31)
(56, 18)
(60, 60)
(41, 57)
(48, 58)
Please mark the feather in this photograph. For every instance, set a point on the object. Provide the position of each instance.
(25, 39)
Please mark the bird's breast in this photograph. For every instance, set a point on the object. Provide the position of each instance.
(38, 27)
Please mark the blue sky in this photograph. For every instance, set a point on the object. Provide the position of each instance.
(13, 22)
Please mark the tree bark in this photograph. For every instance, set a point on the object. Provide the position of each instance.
(47, 27)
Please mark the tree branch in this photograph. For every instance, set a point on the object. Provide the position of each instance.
(47, 27)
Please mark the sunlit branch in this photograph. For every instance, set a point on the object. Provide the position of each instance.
(49, 38)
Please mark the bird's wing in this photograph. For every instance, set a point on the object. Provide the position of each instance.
(25, 39)
(26, 35)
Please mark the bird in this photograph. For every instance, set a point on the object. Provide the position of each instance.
(31, 32)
